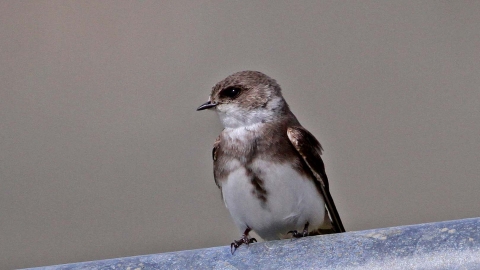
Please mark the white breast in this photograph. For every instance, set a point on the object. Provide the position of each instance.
(292, 200)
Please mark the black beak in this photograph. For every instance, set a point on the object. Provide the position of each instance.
(206, 105)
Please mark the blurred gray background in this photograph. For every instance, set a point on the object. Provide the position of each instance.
(103, 155)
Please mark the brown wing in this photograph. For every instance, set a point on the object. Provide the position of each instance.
(310, 149)
(216, 146)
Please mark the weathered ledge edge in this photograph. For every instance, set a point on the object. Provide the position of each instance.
(440, 245)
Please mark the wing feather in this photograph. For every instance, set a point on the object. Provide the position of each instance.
(216, 147)
(310, 150)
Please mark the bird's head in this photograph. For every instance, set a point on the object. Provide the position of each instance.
(246, 98)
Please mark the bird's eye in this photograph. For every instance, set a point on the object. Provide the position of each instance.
(231, 92)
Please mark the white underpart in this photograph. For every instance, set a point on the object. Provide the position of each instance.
(241, 135)
(233, 116)
(292, 200)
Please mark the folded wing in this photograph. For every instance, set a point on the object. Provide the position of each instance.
(310, 150)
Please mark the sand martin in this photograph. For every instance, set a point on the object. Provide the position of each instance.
(267, 166)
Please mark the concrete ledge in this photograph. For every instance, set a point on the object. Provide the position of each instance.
(441, 245)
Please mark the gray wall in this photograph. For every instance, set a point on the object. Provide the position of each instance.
(102, 153)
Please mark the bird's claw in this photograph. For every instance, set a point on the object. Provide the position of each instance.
(244, 240)
(296, 234)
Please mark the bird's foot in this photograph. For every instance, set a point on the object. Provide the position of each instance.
(244, 240)
(297, 234)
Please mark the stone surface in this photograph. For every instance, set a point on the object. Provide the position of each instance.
(441, 245)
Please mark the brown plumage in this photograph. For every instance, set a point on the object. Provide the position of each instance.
(262, 159)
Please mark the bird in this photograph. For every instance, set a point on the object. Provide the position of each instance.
(266, 164)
